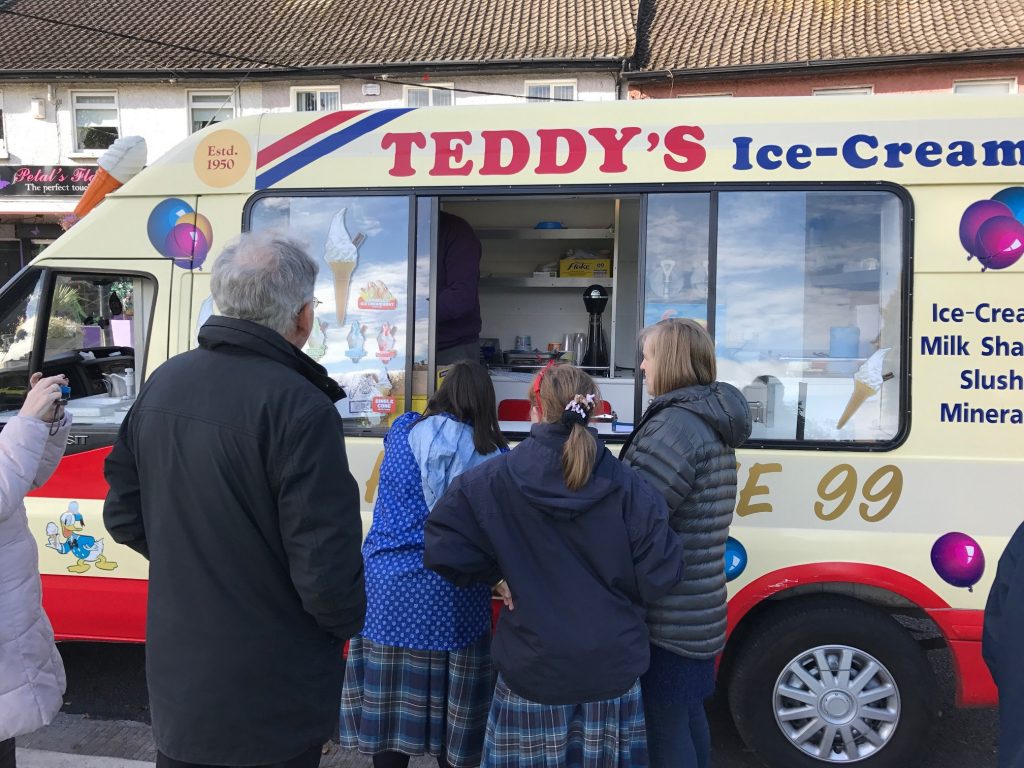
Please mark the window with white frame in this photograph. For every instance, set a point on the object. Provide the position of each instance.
(209, 107)
(985, 87)
(437, 95)
(96, 119)
(551, 90)
(855, 90)
(316, 99)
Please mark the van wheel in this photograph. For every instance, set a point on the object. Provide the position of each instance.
(832, 680)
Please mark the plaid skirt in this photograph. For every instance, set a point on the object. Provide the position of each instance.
(598, 734)
(417, 702)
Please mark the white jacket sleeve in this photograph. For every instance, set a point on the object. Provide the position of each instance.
(22, 442)
(53, 451)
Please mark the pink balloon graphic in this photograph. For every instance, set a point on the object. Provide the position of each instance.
(185, 243)
(976, 215)
(1000, 242)
(958, 559)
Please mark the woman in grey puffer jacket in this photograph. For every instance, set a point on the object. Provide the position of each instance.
(685, 447)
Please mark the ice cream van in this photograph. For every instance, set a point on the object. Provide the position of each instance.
(859, 267)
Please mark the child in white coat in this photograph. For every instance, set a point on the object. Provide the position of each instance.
(31, 673)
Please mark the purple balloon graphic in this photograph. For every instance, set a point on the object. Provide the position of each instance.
(1013, 198)
(976, 215)
(958, 559)
(1000, 242)
(186, 243)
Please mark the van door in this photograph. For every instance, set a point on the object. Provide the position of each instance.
(102, 326)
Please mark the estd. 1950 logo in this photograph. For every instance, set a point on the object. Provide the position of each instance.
(993, 230)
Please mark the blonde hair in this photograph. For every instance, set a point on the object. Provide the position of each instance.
(552, 390)
(683, 354)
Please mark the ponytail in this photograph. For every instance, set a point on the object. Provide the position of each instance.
(578, 455)
(565, 394)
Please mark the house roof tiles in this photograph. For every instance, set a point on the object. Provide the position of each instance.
(283, 34)
(717, 34)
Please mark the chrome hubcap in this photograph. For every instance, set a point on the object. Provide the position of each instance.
(837, 704)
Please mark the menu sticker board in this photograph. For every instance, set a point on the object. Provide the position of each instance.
(360, 320)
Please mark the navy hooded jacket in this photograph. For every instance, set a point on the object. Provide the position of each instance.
(581, 565)
(1002, 644)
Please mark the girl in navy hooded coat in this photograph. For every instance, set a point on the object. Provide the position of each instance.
(578, 543)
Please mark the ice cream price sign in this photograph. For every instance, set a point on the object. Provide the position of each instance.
(36, 180)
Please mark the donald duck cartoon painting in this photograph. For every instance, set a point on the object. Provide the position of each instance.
(87, 550)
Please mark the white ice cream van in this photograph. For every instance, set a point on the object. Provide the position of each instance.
(858, 266)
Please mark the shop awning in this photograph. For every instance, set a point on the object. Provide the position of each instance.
(27, 206)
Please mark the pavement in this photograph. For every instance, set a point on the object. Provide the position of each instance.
(80, 741)
(105, 722)
(37, 758)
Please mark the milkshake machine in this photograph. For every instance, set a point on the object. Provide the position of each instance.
(595, 361)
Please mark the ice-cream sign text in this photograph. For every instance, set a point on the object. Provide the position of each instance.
(561, 151)
(545, 152)
(862, 151)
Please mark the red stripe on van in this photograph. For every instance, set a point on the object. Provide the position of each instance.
(79, 476)
(94, 608)
(287, 143)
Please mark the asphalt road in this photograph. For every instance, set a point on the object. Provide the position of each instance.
(108, 681)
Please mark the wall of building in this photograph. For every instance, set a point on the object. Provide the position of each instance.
(159, 111)
(892, 79)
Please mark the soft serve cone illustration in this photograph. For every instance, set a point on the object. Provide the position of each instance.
(866, 383)
(118, 165)
(342, 255)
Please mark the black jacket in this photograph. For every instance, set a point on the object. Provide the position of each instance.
(580, 566)
(1003, 648)
(684, 447)
(230, 475)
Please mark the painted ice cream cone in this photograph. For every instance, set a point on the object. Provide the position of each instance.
(866, 383)
(119, 164)
(342, 272)
(341, 253)
(861, 392)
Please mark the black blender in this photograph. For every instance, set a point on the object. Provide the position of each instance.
(595, 361)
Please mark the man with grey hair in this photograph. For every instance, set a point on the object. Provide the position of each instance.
(230, 476)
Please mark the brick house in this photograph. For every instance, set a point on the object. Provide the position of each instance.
(691, 48)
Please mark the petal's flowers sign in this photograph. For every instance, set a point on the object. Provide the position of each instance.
(39, 180)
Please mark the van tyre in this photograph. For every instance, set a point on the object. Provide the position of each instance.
(832, 681)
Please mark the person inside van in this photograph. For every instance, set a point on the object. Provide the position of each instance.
(421, 631)
(685, 447)
(458, 290)
(579, 544)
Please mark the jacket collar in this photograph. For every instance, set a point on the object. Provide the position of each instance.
(219, 331)
(553, 436)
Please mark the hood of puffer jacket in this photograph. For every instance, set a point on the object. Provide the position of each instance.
(719, 404)
(536, 466)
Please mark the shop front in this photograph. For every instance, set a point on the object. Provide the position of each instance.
(33, 200)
